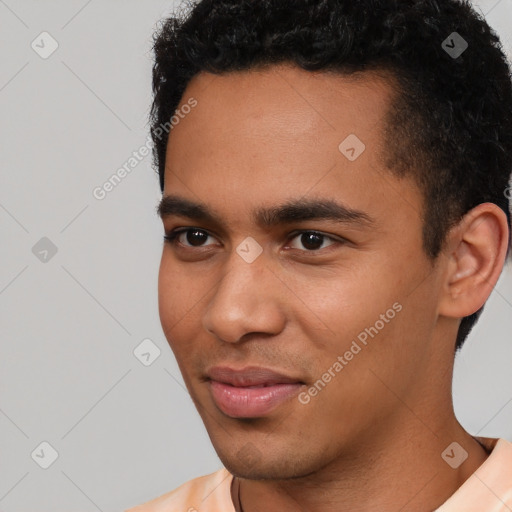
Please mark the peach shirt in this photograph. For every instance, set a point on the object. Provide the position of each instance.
(488, 489)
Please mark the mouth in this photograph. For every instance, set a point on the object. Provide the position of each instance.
(250, 392)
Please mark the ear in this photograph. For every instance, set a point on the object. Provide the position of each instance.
(476, 252)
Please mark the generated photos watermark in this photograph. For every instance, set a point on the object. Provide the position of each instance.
(100, 192)
(355, 348)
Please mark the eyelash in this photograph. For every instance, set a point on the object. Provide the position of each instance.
(172, 236)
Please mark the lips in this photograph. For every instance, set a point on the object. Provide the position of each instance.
(250, 376)
(250, 392)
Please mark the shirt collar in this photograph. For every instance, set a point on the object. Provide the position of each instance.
(489, 488)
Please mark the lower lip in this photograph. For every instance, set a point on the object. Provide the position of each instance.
(243, 402)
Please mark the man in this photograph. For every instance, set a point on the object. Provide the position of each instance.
(336, 215)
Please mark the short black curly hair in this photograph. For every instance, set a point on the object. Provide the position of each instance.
(450, 125)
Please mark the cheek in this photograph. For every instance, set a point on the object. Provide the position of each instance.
(367, 315)
(183, 294)
(176, 297)
(166, 295)
(179, 287)
(342, 304)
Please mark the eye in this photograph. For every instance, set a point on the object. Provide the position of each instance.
(313, 240)
(194, 237)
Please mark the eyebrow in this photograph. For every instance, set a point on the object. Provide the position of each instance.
(293, 210)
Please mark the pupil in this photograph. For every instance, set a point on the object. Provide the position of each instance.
(199, 236)
(308, 239)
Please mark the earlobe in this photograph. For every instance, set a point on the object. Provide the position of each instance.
(477, 249)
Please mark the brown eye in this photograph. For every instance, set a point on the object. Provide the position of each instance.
(194, 237)
(312, 240)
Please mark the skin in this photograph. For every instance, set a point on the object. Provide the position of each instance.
(372, 438)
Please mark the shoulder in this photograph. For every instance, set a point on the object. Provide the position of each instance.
(205, 493)
(489, 488)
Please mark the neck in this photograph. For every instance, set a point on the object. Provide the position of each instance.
(403, 471)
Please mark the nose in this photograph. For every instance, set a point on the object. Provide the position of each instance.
(246, 300)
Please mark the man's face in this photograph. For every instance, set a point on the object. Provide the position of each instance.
(359, 291)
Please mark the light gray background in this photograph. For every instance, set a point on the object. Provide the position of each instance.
(124, 432)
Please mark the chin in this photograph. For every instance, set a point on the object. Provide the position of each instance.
(265, 467)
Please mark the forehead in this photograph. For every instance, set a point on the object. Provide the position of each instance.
(280, 114)
(291, 100)
(266, 135)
